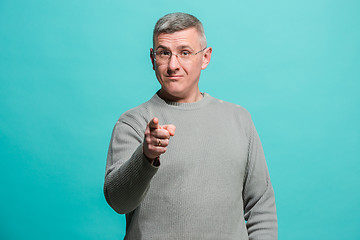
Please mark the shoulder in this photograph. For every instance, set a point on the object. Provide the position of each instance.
(137, 117)
(231, 108)
(233, 114)
(136, 114)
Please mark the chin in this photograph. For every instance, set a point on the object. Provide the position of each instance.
(174, 92)
(173, 88)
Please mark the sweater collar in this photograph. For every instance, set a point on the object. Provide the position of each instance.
(182, 106)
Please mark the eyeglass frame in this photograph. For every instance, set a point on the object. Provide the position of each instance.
(177, 55)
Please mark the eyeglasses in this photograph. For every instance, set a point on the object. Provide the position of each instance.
(163, 56)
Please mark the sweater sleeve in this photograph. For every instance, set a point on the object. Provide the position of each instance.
(128, 172)
(258, 194)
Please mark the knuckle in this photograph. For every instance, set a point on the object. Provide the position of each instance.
(153, 133)
(165, 133)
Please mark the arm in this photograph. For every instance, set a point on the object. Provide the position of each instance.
(131, 162)
(128, 171)
(258, 194)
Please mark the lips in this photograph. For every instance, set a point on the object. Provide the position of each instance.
(174, 77)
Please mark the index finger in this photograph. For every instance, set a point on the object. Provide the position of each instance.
(170, 128)
(154, 123)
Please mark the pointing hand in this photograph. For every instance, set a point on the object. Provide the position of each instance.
(156, 139)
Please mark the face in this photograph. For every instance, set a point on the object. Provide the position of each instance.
(179, 79)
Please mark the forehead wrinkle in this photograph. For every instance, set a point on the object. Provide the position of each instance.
(176, 40)
(184, 46)
(182, 41)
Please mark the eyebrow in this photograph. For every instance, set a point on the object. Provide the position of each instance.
(185, 46)
(161, 46)
(180, 47)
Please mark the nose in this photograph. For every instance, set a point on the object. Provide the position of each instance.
(173, 64)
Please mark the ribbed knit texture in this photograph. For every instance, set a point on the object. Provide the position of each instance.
(212, 183)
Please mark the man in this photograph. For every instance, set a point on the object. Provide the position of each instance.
(209, 180)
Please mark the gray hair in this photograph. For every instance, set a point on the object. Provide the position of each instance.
(174, 22)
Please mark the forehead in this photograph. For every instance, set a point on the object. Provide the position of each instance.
(187, 37)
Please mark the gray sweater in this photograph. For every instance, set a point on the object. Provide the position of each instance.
(212, 183)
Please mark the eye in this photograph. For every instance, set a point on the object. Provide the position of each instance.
(165, 53)
(185, 53)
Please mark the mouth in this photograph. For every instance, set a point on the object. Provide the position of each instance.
(174, 77)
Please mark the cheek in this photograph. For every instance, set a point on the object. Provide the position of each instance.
(159, 71)
(192, 70)
(194, 67)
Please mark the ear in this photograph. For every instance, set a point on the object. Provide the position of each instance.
(152, 58)
(206, 58)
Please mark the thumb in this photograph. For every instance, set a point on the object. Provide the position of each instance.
(170, 128)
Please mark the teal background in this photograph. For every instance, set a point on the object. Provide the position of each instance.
(68, 69)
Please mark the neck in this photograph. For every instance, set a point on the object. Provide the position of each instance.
(168, 97)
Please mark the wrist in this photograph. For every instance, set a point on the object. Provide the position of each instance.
(153, 161)
(156, 162)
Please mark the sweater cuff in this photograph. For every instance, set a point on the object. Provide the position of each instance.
(142, 164)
